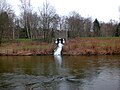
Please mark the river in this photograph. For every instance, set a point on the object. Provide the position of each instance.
(60, 73)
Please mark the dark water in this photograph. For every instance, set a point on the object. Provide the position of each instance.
(60, 73)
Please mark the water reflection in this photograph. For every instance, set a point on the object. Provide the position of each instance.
(58, 62)
(60, 73)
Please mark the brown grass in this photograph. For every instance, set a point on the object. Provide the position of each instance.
(78, 46)
(26, 48)
(92, 46)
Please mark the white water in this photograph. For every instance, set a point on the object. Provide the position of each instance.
(58, 50)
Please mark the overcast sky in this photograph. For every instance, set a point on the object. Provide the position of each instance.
(103, 10)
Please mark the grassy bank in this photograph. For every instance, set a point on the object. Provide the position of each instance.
(78, 46)
(26, 47)
(93, 46)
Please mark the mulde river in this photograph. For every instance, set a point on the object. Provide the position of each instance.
(60, 73)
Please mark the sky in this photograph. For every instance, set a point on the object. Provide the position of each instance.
(103, 10)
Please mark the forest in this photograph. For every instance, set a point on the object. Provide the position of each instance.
(46, 24)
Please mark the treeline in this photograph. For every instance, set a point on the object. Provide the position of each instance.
(44, 23)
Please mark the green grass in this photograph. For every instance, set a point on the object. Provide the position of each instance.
(23, 40)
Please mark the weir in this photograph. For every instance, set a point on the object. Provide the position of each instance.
(59, 45)
(57, 55)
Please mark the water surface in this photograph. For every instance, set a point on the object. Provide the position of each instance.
(60, 73)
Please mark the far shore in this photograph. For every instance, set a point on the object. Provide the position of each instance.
(77, 46)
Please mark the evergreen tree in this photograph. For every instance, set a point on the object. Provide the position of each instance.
(96, 28)
(4, 24)
(118, 31)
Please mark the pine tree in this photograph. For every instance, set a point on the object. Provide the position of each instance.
(96, 28)
(4, 24)
(118, 31)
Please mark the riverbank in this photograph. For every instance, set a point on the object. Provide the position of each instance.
(93, 46)
(26, 47)
(78, 46)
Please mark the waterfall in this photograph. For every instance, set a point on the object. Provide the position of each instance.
(59, 47)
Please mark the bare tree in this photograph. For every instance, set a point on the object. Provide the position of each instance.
(16, 28)
(26, 13)
(47, 18)
(87, 27)
(34, 21)
(63, 23)
(109, 29)
(75, 24)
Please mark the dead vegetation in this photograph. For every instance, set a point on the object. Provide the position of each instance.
(77, 46)
(92, 46)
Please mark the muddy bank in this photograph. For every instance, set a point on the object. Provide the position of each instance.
(107, 51)
(24, 53)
